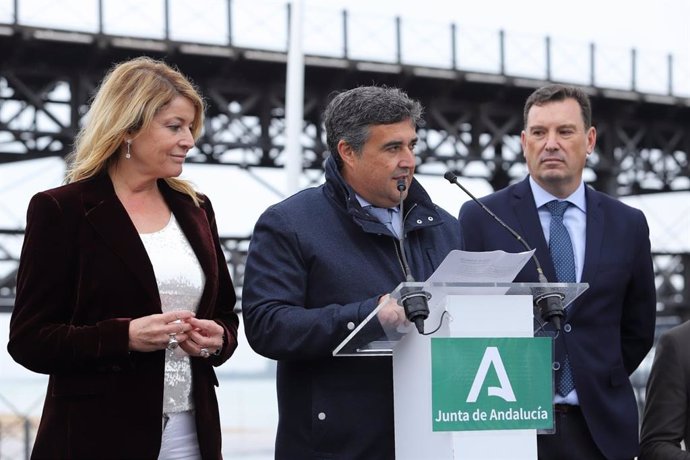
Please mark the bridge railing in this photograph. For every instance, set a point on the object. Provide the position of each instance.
(440, 48)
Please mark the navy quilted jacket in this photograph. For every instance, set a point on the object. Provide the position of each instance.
(317, 264)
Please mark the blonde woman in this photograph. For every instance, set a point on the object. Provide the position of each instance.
(123, 294)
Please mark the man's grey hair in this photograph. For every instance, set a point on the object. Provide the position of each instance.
(350, 114)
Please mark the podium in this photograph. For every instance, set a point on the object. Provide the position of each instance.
(457, 394)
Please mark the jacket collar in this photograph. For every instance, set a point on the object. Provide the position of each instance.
(526, 212)
(525, 209)
(108, 217)
(419, 210)
(106, 214)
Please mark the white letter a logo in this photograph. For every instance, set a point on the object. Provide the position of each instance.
(505, 391)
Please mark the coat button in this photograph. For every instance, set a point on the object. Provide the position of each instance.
(419, 221)
(322, 416)
(567, 328)
(350, 325)
(430, 219)
(556, 365)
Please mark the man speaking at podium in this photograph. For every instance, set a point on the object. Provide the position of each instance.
(580, 235)
(323, 259)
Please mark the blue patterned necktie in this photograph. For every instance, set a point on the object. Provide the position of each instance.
(385, 216)
(561, 249)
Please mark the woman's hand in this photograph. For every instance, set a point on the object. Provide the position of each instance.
(156, 332)
(204, 339)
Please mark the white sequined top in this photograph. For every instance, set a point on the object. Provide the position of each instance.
(180, 285)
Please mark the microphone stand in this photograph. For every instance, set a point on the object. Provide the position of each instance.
(550, 303)
(414, 300)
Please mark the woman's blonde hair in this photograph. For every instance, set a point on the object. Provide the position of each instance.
(128, 99)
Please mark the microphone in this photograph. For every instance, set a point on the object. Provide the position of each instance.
(550, 304)
(414, 300)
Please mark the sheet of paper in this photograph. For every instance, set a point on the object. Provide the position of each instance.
(482, 268)
(485, 267)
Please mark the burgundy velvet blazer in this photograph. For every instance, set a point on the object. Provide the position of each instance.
(83, 275)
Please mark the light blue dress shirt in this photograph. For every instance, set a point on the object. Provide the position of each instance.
(396, 218)
(575, 220)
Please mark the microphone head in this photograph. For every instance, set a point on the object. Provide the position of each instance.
(450, 177)
(401, 185)
(551, 308)
(415, 303)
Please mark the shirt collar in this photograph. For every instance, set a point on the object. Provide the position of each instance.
(541, 196)
(364, 203)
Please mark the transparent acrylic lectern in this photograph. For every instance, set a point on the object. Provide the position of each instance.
(456, 309)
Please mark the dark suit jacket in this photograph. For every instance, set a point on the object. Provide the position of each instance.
(610, 328)
(83, 274)
(666, 420)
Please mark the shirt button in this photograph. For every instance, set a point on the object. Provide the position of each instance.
(322, 416)
(350, 325)
(567, 328)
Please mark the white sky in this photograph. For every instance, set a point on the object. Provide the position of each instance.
(651, 26)
(660, 25)
(655, 29)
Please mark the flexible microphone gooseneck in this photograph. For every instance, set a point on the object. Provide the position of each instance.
(550, 304)
(414, 300)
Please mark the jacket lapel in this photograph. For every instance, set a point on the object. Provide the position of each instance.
(594, 235)
(104, 211)
(195, 226)
(528, 217)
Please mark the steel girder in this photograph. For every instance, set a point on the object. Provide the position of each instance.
(642, 147)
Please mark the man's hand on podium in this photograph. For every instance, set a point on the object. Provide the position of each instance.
(391, 314)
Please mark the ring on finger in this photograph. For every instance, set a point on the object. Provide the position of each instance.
(172, 342)
(204, 353)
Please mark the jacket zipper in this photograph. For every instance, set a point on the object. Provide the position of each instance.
(397, 253)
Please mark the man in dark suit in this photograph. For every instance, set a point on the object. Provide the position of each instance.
(610, 328)
(666, 421)
(320, 262)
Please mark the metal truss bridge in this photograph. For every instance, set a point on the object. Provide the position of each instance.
(473, 97)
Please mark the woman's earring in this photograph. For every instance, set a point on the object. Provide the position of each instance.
(128, 155)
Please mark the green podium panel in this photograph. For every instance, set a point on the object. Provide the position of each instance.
(491, 383)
